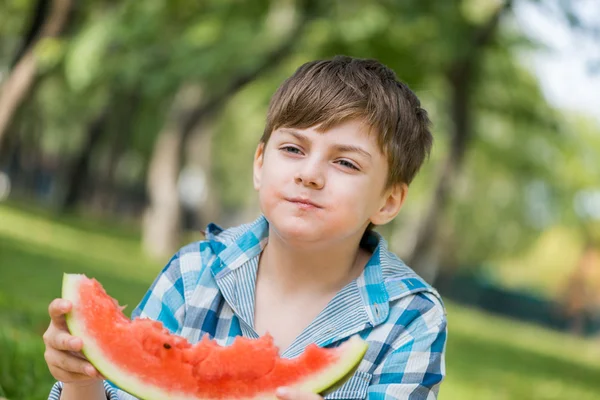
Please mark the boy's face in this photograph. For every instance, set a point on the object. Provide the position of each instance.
(324, 187)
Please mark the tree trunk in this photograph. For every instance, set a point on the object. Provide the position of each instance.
(19, 82)
(163, 217)
(79, 170)
(37, 17)
(199, 160)
(108, 190)
(424, 258)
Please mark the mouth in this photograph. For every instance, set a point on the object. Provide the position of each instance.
(303, 202)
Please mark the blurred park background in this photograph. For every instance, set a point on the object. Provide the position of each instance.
(127, 126)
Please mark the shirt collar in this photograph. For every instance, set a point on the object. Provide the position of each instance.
(385, 277)
(235, 246)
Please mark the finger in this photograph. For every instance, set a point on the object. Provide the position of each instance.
(64, 375)
(77, 354)
(286, 393)
(69, 363)
(67, 376)
(57, 310)
(63, 341)
(81, 356)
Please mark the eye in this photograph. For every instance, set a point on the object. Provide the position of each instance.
(291, 149)
(347, 164)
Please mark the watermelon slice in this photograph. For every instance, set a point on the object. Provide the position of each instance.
(145, 359)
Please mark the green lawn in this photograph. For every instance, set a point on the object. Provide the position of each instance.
(487, 357)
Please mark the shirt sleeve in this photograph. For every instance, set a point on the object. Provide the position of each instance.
(415, 368)
(164, 302)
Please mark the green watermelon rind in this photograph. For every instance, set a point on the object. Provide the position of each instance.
(94, 354)
(354, 350)
(338, 373)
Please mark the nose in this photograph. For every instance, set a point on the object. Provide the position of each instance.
(310, 175)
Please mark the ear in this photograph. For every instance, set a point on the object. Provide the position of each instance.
(391, 203)
(258, 163)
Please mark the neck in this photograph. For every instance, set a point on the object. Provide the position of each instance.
(324, 269)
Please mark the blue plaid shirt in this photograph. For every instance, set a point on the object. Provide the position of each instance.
(208, 288)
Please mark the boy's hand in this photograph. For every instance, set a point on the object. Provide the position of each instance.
(285, 393)
(63, 351)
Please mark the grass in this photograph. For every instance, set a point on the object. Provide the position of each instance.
(487, 357)
(490, 357)
(35, 250)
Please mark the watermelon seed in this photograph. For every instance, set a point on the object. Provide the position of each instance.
(167, 346)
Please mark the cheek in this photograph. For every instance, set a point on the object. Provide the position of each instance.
(360, 199)
(273, 169)
(350, 191)
(270, 186)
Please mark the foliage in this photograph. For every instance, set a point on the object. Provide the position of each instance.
(525, 167)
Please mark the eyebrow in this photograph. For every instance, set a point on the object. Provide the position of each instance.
(344, 148)
(295, 134)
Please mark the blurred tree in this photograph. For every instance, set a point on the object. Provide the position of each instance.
(520, 178)
(78, 170)
(131, 83)
(36, 20)
(461, 75)
(17, 85)
(162, 222)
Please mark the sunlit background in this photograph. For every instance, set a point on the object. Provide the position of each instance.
(127, 126)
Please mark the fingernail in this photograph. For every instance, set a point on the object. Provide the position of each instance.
(73, 342)
(91, 371)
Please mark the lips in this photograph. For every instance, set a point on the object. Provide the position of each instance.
(303, 202)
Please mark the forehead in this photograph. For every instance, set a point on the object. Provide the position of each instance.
(353, 130)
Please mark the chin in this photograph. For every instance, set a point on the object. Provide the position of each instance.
(296, 230)
(307, 232)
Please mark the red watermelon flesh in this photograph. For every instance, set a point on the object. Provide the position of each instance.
(145, 359)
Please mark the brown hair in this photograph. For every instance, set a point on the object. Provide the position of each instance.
(324, 93)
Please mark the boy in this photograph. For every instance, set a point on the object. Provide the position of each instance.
(342, 142)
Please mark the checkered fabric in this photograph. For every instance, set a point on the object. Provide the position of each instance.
(207, 288)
